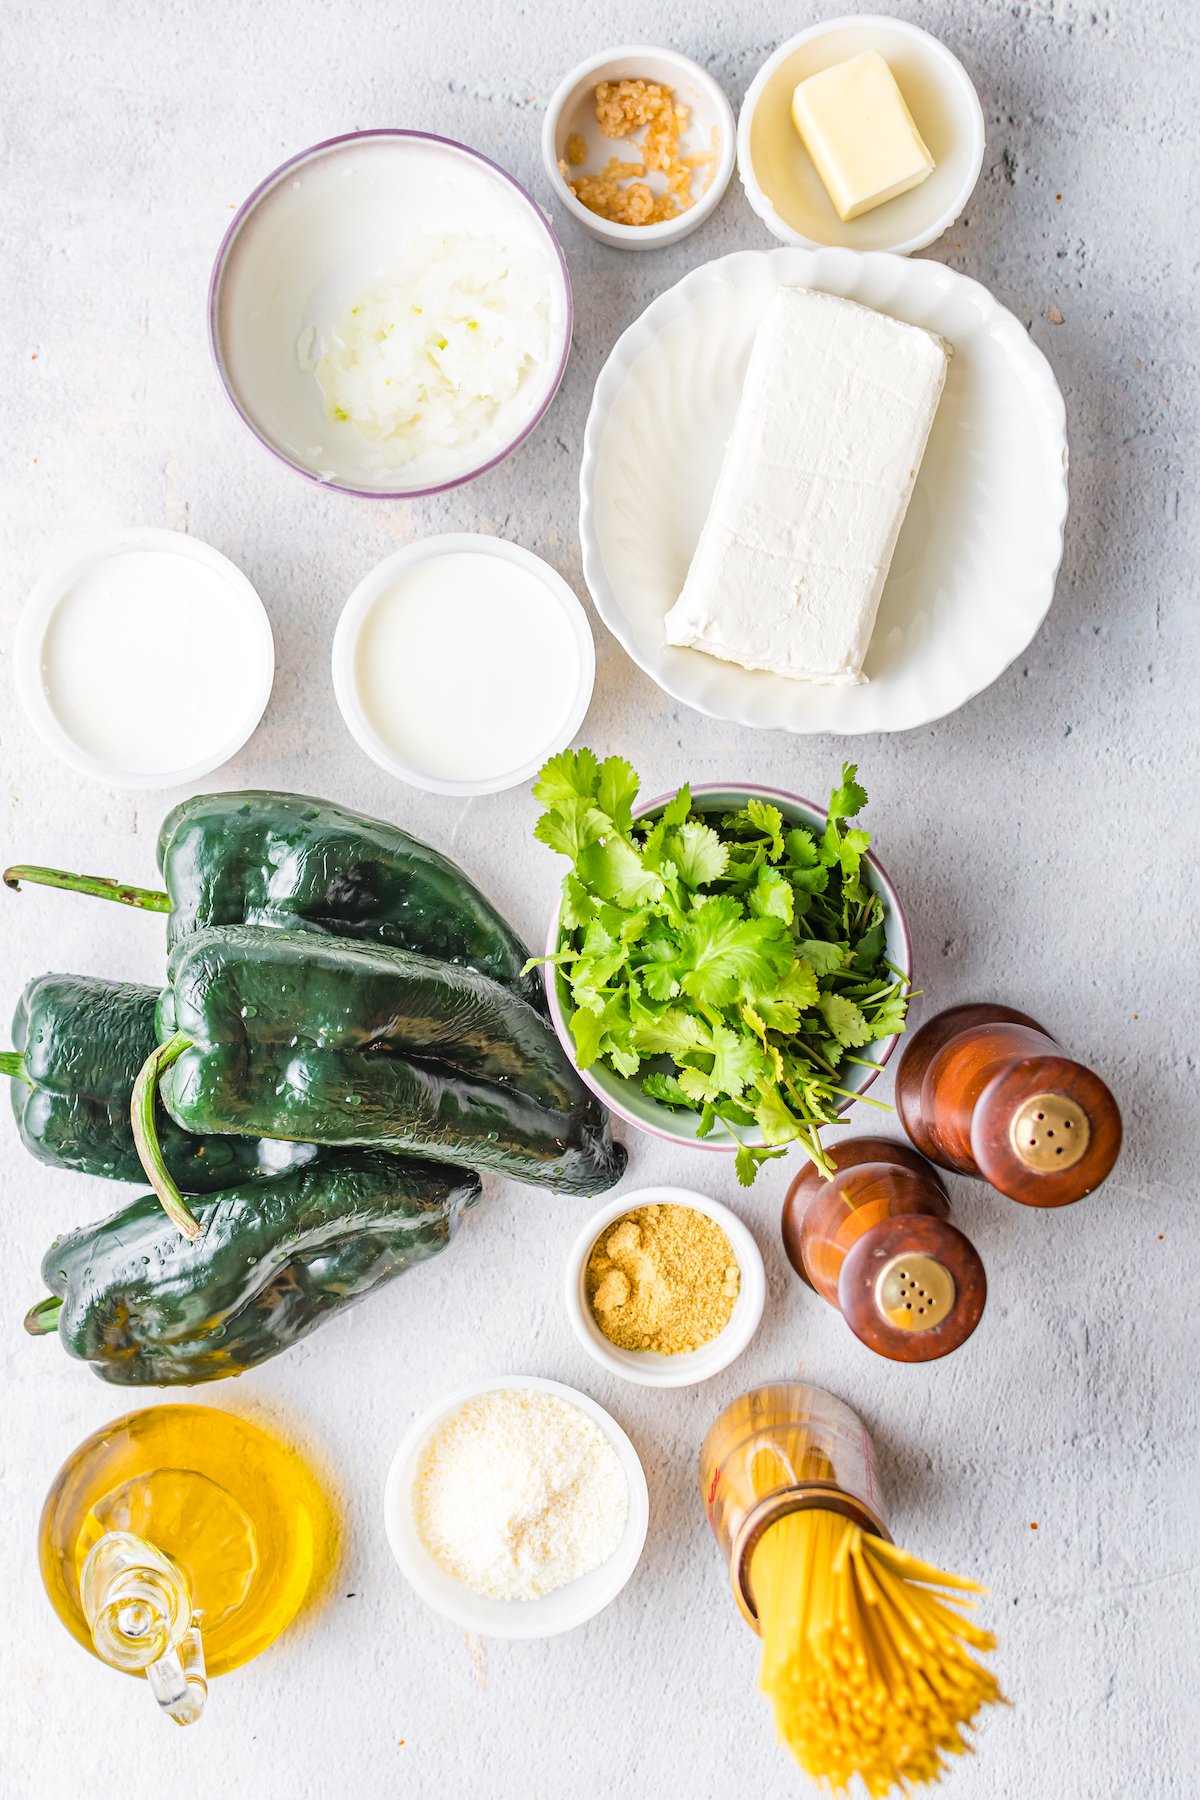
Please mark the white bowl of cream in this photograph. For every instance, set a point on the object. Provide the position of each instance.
(461, 662)
(144, 659)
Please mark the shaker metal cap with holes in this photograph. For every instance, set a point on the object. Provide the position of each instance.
(986, 1091)
(876, 1241)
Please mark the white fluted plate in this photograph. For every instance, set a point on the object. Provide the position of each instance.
(974, 570)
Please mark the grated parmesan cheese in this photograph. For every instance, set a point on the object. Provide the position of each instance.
(519, 1493)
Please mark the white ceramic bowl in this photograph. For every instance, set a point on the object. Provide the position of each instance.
(312, 239)
(34, 622)
(553, 1613)
(974, 570)
(571, 109)
(646, 1367)
(623, 1094)
(354, 614)
(780, 178)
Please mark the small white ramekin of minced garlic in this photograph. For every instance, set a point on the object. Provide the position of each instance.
(639, 144)
(665, 1287)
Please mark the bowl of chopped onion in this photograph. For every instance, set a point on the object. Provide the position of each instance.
(390, 313)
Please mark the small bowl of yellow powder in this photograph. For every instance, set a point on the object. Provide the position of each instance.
(665, 1287)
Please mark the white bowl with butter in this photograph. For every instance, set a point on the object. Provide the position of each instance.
(781, 180)
(461, 662)
(144, 659)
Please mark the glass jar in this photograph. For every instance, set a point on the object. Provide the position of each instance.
(777, 1450)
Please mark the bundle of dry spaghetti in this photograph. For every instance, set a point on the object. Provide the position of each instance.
(864, 1660)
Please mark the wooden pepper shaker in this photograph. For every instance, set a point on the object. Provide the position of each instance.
(986, 1091)
(875, 1240)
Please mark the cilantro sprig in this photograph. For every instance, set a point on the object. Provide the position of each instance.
(735, 962)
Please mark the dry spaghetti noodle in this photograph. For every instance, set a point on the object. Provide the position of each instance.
(866, 1654)
(864, 1661)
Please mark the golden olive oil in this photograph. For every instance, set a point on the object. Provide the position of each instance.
(238, 1513)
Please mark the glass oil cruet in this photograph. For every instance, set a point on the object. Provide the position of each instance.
(180, 1541)
(140, 1614)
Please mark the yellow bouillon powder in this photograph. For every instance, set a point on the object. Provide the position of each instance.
(663, 1278)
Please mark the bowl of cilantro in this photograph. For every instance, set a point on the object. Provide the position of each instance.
(729, 965)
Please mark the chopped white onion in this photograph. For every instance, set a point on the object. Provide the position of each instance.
(426, 361)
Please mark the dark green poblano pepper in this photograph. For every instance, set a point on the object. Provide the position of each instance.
(276, 1257)
(290, 862)
(317, 1040)
(78, 1046)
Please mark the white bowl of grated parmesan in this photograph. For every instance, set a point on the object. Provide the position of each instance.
(516, 1507)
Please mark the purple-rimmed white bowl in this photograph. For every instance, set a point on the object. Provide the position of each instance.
(320, 232)
(622, 1094)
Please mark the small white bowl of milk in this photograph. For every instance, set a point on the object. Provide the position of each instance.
(144, 659)
(462, 662)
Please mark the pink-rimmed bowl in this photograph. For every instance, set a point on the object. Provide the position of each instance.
(622, 1094)
(314, 237)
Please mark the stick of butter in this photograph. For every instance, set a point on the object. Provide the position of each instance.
(818, 473)
(859, 132)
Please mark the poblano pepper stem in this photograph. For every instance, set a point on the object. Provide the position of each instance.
(100, 887)
(145, 1134)
(42, 1319)
(295, 863)
(82, 1041)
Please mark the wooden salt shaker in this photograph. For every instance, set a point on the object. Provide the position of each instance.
(986, 1091)
(875, 1241)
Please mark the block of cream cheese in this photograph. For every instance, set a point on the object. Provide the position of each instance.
(859, 132)
(829, 435)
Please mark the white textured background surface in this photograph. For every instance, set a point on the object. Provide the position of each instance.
(1042, 839)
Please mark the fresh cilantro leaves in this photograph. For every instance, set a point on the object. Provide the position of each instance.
(735, 962)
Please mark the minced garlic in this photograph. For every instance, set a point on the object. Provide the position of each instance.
(619, 192)
(663, 1278)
